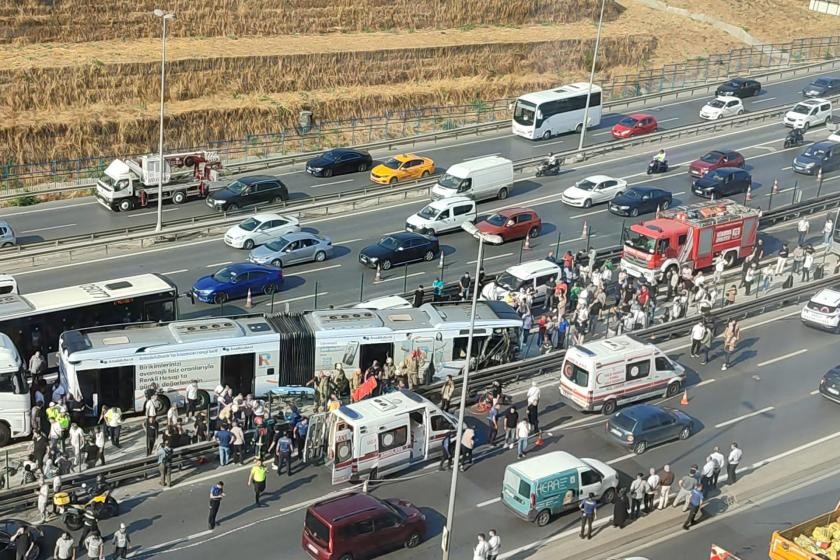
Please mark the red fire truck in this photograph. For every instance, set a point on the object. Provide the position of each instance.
(690, 236)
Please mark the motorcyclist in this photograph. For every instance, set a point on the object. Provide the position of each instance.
(659, 160)
(796, 136)
(552, 160)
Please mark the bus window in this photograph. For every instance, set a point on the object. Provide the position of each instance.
(159, 311)
(459, 347)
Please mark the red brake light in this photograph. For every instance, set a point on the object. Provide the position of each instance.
(533, 501)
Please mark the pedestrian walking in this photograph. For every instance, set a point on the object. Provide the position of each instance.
(750, 277)
(523, 430)
(481, 548)
(446, 393)
(256, 478)
(493, 423)
(238, 442)
(464, 285)
(112, 416)
(730, 341)
(77, 442)
(707, 474)
(150, 427)
(802, 228)
(828, 229)
(95, 546)
(686, 485)
(706, 343)
(620, 507)
(533, 416)
(653, 483)
(666, 480)
(121, 541)
(467, 445)
(299, 433)
(447, 445)
(282, 446)
(732, 463)
(589, 509)
(719, 460)
(494, 545)
(511, 420)
(697, 333)
(192, 397)
(638, 490)
(224, 438)
(164, 461)
(65, 547)
(695, 502)
(217, 494)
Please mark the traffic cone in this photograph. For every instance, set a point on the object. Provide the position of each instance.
(540, 441)
(378, 277)
(527, 244)
(775, 186)
(585, 229)
(684, 399)
(248, 303)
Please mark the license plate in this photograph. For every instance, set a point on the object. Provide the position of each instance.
(833, 391)
(312, 548)
(616, 432)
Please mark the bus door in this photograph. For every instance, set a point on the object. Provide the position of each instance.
(316, 439)
(238, 372)
(342, 452)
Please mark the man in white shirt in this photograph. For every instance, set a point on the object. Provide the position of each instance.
(523, 430)
(192, 397)
(734, 460)
(494, 544)
(707, 473)
(697, 333)
(652, 490)
(802, 228)
(481, 548)
(719, 459)
(828, 229)
(534, 394)
(77, 441)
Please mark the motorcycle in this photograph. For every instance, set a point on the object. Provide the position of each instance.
(73, 504)
(546, 168)
(656, 166)
(794, 138)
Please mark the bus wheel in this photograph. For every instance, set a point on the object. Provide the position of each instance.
(203, 401)
(162, 405)
(609, 407)
(5, 435)
(547, 135)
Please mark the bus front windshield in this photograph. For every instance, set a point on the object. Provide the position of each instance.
(523, 113)
(639, 242)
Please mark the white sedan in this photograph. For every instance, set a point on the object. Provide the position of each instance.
(259, 229)
(593, 190)
(721, 107)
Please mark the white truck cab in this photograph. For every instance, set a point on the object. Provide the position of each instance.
(14, 394)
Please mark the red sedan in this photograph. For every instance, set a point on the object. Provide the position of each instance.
(633, 125)
(512, 223)
(715, 160)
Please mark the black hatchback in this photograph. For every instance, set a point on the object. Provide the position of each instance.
(399, 248)
(640, 200)
(245, 191)
(830, 384)
(739, 87)
(642, 425)
(724, 181)
(339, 161)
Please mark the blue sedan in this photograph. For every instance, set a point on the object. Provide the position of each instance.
(235, 280)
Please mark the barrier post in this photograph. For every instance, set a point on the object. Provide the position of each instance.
(819, 181)
(272, 301)
(557, 246)
(521, 248)
(793, 197)
(588, 237)
(6, 470)
(405, 279)
(361, 286)
(315, 303)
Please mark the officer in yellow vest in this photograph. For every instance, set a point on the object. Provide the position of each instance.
(257, 479)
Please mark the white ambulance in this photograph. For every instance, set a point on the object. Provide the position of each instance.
(377, 436)
(603, 374)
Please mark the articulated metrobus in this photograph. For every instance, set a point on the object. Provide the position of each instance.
(255, 354)
(35, 321)
(544, 114)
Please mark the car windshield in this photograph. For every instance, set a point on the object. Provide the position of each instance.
(733, 83)
(393, 508)
(237, 187)
(389, 243)
(632, 193)
(497, 220)
(711, 157)
(814, 152)
(448, 181)
(585, 185)
(802, 109)
(639, 241)
(392, 163)
(429, 212)
(716, 103)
(227, 274)
(250, 224)
(628, 121)
(523, 113)
(624, 422)
(820, 82)
(508, 281)
(330, 156)
(277, 244)
(716, 176)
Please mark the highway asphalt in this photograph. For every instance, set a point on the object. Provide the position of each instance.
(81, 216)
(767, 402)
(341, 279)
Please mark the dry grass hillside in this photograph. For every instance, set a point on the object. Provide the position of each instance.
(75, 89)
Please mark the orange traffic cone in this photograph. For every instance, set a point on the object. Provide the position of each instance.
(527, 244)
(585, 229)
(684, 399)
(248, 303)
(378, 277)
(540, 441)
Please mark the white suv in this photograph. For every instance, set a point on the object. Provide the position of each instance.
(531, 274)
(809, 113)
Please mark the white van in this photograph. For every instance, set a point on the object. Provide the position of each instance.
(446, 214)
(531, 274)
(478, 179)
(377, 436)
(808, 113)
(603, 374)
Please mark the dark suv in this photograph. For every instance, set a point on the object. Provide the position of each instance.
(356, 526)
(724, 181)
(254, 189)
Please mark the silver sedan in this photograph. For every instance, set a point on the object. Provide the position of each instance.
(292, 248)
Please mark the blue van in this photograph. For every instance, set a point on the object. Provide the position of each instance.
(535, 489)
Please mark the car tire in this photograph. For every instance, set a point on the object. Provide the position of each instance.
(587, 203)
(673, 388)
(547, 135)
(413, 540)
(179, 197)
(248, 245)
(579, 128)
(534, 232)
(277, 263)
(73, 522)
(320, 256)
(231, 208)
(386, 265)
(8, 244)
(277, 199)
(609, 407)
(805, 127)
(608, 496)
(543, 518)
(739, 113)
(639, 447)
(5, 435)
(269, 289)
(424, 174)
(503, 193)
(665, 204)
(328, 172)
(392, 181)
(220, 298)
(429, 256)
(685, 433)
(634, 212)
(362, 167)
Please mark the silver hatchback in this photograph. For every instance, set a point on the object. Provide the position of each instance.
(7, 235)
(292, 248)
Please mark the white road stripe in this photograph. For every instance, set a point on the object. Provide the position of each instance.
(282, 301)
(763, 100)
(588, 214)
(179, 271)
(815, 392)
(705, 382)
(780, 358)
(50, 209)
(217, 264)
(788, 168)
(745, 416)
(347, 242)
(488, 502)
(151, 213)
(494, 257)
(315, 269)
(331, 183)
(666, 120)
(620, 459)
(402, 276)
(46, 228)
(485, 155)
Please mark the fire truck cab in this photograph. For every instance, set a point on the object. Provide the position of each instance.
(689, 236)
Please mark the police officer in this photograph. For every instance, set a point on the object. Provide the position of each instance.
(217, 492)
(257, 479)
(283, 450)
(300, 431)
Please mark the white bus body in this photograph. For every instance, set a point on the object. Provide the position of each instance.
(14, 394)
(544, 114)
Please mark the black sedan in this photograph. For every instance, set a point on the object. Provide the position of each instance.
(399, 248)
(830, 384)
(724, 181)
(640, 200)
(739, 87)
(338, 161)
(8, 528)
(642, 425)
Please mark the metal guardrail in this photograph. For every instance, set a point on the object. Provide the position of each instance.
(352, 200)
(293, 159)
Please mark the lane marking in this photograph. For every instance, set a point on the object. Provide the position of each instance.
(46, 228)
(763, 100)
(815, 392)
(151, 213)
(50, 209)
(488, 502)
(780, 358)
(745, 416)
(217, 264)
(318, 186)
(494, 257)
(282, 301)
(401, 277)
(788, 168)
(705, 382)
(620, 459)
(588, 214)
(179, 271)
(666, 120)
(315, 270)
(347, 242)
(485, 155)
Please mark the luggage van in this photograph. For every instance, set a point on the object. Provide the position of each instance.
(603, 374)
(478, 179)
(377, 436)
(553, 483)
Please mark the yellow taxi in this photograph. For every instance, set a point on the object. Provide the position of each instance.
(402, 167)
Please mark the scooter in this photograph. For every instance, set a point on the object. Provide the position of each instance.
(73, 504)
(794, 138)
(546, 168)
(656, 166)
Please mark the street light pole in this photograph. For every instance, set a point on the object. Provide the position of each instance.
(592, 75)
(450, 512)
(164, 16)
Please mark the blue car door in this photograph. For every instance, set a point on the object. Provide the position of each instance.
(256, 281)
(238, 286)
